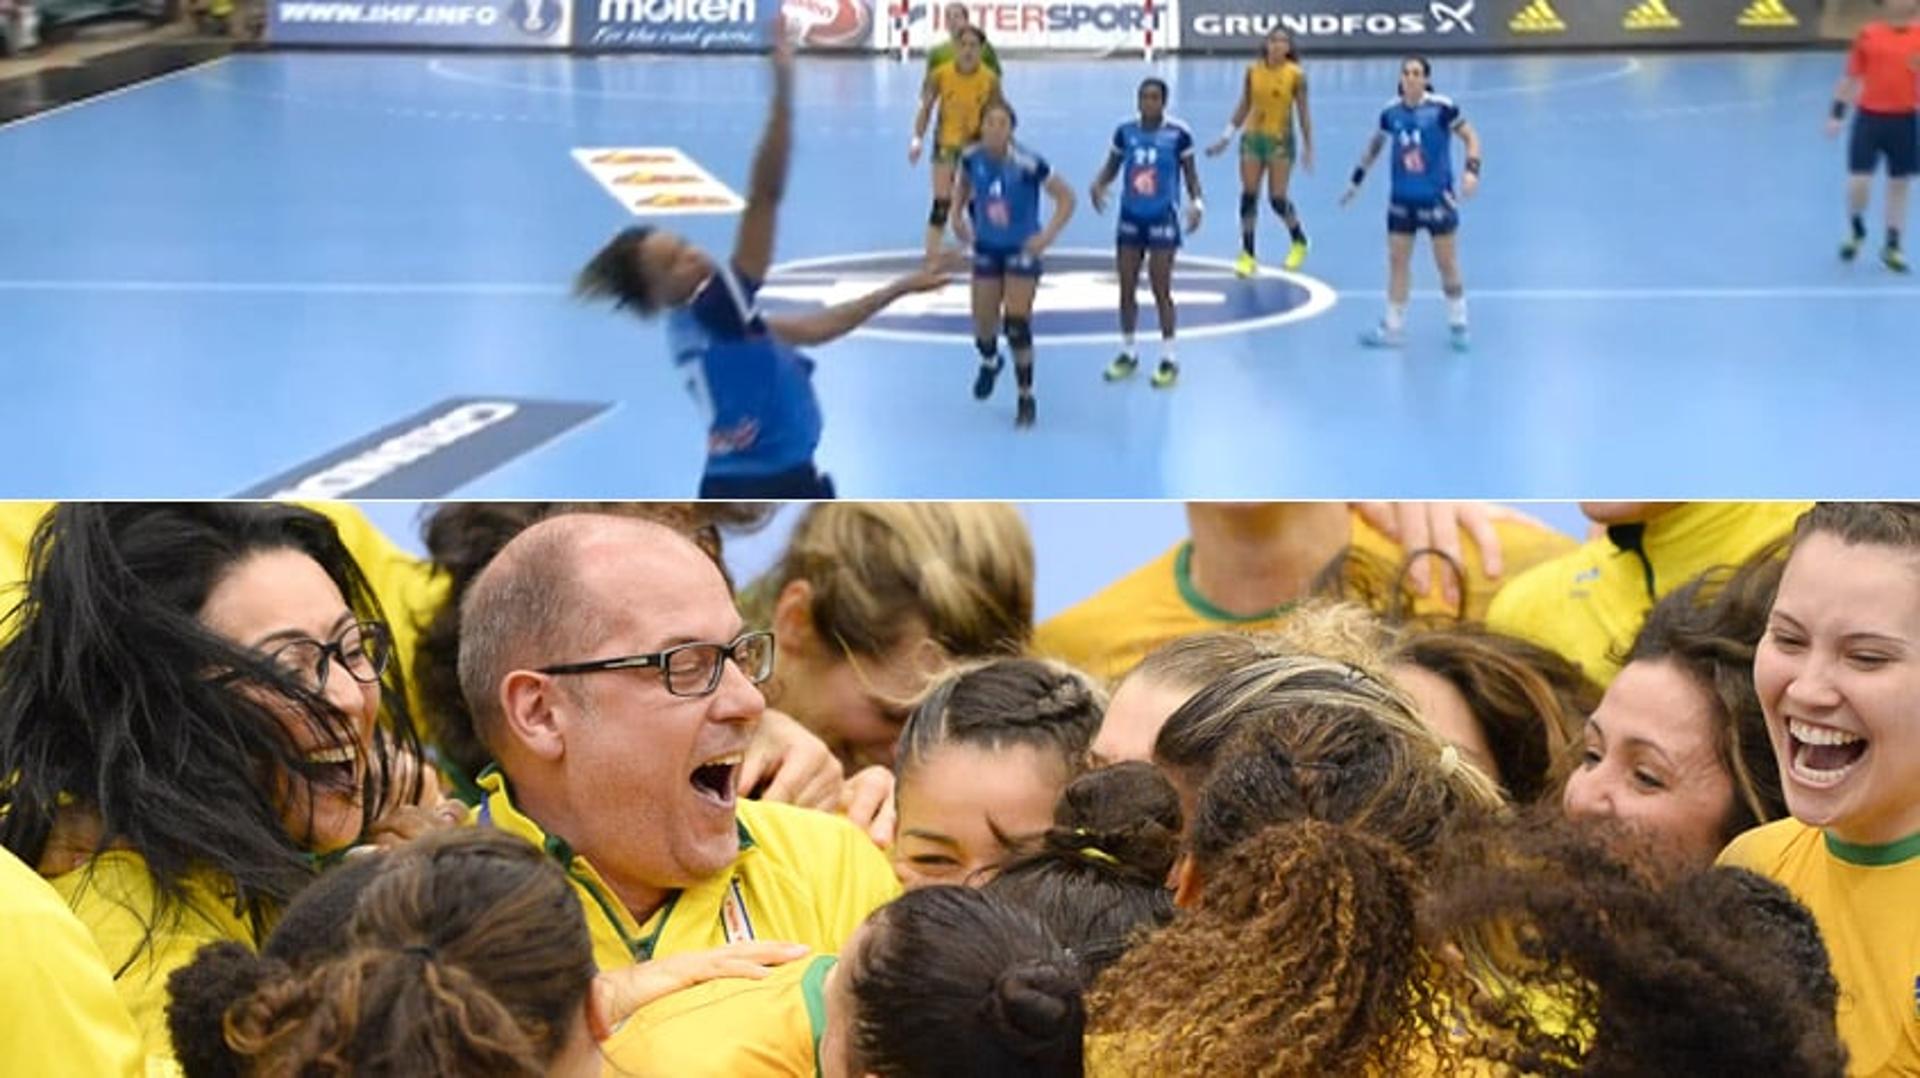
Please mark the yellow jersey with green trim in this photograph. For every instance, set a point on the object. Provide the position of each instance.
(1107, 634)
(963, 97)
(59, 1013)
(1588, 604)
(802, 877)
(730, 1028)
(1270, 95)
(1866, 900)
(116, 898)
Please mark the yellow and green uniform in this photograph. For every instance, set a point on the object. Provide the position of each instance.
(1107, 634)
(1865, 900)
(802, 877)
(117, 899)
(1268, 134)
(1588, 604)
(943, 53)
(730, 1028)
(963, 97)
(59, 1013)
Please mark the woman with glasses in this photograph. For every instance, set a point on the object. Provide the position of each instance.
(197, 709)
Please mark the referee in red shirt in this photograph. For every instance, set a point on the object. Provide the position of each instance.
(1883, 78)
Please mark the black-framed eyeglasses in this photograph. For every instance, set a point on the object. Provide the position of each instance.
(690, 669)
(363, 650)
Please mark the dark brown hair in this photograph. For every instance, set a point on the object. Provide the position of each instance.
(1006, 702)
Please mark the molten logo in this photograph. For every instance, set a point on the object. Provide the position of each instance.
(842, 24)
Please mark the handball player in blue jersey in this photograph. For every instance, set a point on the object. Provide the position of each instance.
(1420, 126)
(1151, 154)
(745, 369)
(1001, 182)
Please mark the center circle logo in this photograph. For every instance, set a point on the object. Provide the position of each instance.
(1077, 302)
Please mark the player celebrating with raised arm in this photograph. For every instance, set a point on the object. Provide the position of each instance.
(1000, 184)
(746, 370)
(1153, 152)
(1421, 125)
(962, 89)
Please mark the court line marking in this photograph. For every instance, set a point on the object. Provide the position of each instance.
(199, 68)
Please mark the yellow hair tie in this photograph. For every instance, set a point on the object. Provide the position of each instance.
(1449, 759)
(1095, 853)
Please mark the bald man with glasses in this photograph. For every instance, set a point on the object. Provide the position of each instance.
(613, 680)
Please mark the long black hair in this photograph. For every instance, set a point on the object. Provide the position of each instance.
(116, 700)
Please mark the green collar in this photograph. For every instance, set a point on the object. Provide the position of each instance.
(1893, 853)
(1183, 579)
(813, 985)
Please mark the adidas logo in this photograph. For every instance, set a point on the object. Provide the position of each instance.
(1650, 15)
(1537, 17)
(1767, 13)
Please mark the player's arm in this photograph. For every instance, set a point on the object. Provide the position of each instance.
(962, 199)
(929, 92)
(1847, 90)
(1097, 193)
(1240, 112)
(753, 245)
(1190, 169)
(819, 327)
(1306, 123)
(1472, 138)
(1062, 194)
(1374, 145)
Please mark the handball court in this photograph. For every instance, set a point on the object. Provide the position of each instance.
(275, 262)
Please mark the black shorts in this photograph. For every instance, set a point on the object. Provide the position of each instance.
(804, 483)
(1893, 135)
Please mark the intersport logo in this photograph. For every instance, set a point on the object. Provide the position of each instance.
(1438, 18)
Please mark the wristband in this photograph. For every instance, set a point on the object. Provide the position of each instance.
(1230, 131)
(1359, 175)
(1473, 165)
(1198, 205)
(916, 142)
(1839, 109)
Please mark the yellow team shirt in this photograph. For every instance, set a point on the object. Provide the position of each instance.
(1588, 604)
(730, 1028)
(1866, 900)
(1109, 633)
(1270, 93)
(802, 877)
(115, 897)
(963, 97)
(59, 1013)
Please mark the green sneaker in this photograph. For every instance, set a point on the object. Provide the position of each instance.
(1166, 374)
(1891, 258)
(1122, 367)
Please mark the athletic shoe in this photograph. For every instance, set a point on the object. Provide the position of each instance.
(1457, 336)
(1297, 254)
(1245, 266)
(1893, 259)
(1166, 374)
(983, 382)
(1382, 337)
(1024, 417)
(1850, 250)
(1123, 366)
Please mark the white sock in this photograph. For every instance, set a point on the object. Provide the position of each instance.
(1396, 317)
(1126, 346)
(1457, 310)
(1166, 350)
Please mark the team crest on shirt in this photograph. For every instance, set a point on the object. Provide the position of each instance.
(1075, 304)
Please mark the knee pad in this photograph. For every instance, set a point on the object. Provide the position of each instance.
(1019, 332)
(1281, 206)
(1248, 201)
(988, 348)
(941, 207)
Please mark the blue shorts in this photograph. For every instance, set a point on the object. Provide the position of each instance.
(1004, 262)
(1438, 218)
(1894, 136)
(1160, 233)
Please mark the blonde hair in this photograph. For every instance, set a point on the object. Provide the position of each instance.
(965, 569)
(1318, 628)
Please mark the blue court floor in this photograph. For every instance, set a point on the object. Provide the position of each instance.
(207, 280)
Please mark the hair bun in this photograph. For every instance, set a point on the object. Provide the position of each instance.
(1039, 1001)
(1070, 695)
(200, 994)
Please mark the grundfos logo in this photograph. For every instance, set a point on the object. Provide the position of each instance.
(679, 11)
(1438, 18)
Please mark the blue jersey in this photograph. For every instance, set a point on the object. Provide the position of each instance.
(1150, 160)
(1421, 142)
(762, 417)
(1006, 195)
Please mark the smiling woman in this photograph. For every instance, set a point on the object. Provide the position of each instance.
(194, 704)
